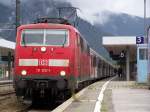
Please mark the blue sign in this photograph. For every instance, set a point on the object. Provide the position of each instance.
(139, 40)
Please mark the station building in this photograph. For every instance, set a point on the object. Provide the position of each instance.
(6, 59)
(131, 54)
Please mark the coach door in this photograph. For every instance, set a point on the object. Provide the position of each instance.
(142, 63)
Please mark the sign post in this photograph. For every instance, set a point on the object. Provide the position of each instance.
(148, 36)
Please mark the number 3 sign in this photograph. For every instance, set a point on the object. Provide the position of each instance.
(139, 40)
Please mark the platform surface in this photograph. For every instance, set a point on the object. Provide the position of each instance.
(86, 102)
(131, 100)
(125, 96)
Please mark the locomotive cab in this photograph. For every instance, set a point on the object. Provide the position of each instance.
(44, 59)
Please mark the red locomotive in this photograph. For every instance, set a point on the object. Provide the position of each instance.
(52, 57)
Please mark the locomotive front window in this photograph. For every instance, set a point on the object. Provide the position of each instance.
(44, 37)
(56, 37)
(32, 37)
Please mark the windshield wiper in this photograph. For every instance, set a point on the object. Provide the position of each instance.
(64, 40)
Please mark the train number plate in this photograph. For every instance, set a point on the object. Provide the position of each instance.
(43, 70)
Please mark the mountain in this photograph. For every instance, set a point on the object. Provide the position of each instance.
(93, 35)
(122, 24)
(29, 13)
(113, 24)
(7, 22)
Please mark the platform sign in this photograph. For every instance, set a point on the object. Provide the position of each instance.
(122, 54)
(139, 40)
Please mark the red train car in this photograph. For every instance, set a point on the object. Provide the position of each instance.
(49, 58)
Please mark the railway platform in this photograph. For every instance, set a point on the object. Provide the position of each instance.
(109, 96)
(5, 82)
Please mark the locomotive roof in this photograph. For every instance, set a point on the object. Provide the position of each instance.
(53, 20)
(47, 25)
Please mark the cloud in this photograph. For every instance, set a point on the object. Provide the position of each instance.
(6, 2)
(91, 8)
(11, 2)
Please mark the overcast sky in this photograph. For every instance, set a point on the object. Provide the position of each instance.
(90, 8)
(134, 7)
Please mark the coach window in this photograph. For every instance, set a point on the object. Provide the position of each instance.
(78, 40)
(85, 46)
(88, 49)
(94, 61)
(82, 46)
(99, 64)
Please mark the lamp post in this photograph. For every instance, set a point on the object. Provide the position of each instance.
(148, 53)
(17, 13)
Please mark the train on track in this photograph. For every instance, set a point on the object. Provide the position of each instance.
(52, 57)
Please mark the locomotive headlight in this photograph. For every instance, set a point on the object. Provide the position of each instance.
(24, 72)
(62, 73)
(43, 49)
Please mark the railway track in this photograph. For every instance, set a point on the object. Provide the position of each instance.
(7, 93)
(6, 90)
(43, 107)
(5, 85)
(9, 103)
(25, 108)
(6, 82)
